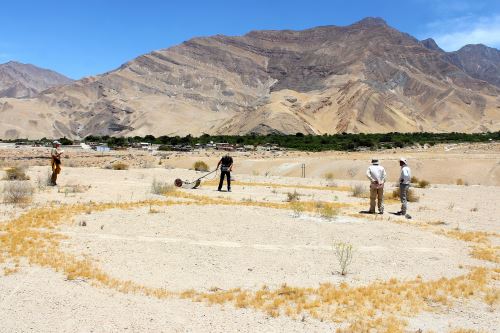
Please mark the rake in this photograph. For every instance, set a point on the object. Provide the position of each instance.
(191, 185)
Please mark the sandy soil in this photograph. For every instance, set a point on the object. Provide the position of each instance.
(219, 247)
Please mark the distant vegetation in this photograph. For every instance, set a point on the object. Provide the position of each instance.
(299, 141)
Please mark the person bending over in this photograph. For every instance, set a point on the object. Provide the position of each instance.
(226, 166)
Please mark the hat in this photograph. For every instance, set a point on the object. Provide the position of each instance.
(56, 142)
(375, 161)
(402, 159)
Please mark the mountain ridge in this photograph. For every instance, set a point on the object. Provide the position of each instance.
(365, 77)
(20, 80)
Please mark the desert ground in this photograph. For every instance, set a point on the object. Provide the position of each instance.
(124, 251)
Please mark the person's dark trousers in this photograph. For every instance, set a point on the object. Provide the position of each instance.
(228, 175)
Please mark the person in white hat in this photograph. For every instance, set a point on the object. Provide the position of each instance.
(404, 186)
(55, 155)
(376, 174)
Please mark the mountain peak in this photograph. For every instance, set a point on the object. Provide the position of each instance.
(431, 44)
(20, 80)
(371, 22)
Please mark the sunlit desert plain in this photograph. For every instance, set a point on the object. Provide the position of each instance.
(110, 250)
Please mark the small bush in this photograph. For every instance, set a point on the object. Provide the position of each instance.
(161, 188)
(200, 166)
(329, 176)
(412, 196)
(423, 183)
(343, 252)
(328, 212)
(120, 166)
(297, 208)
(292, 196)
(67, 189)
(42, 183)
(359, 191)
(414, 180)
(16, 173)
(17, 192)
(460, 181)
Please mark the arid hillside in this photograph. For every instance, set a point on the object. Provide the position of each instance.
(365, 77)
(24, 80)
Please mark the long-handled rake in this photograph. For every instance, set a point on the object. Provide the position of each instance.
(191, 185)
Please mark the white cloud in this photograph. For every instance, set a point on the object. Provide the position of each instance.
(454, 33)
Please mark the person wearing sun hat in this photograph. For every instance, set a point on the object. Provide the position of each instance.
(404, 186)
(55, 155)
(376, 174)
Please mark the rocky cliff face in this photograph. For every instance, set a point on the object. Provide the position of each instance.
(366, 77)
(23, 80)
(478, 61)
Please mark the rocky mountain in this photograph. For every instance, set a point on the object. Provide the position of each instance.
(479, 61)
(365, 77)
(24, 80)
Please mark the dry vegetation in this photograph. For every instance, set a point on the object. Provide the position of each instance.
(33, 236)
(292, 196)
(359, 191)
(275, 186)
(18, 192)
(412, 196)
(344, 254)
(200, 166)
(120, 166)
(161, 188)
(16, 173)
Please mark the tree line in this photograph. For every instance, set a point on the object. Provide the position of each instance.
(298, 141)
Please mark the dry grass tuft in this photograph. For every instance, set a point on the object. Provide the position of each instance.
(329, 176)
(18, 192)
(161, 188)
(328, 212)
(200, 166)
(292, 196)
(359, 191)
(412, 196)
(16, 173)
(120, 166)
(297, 208)
(423, 183)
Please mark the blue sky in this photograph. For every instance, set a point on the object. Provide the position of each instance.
(87, 37)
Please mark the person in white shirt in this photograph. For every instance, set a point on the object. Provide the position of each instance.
(404, 186)
(376, 174)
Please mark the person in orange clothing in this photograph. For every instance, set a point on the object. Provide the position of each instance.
(55, 155)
